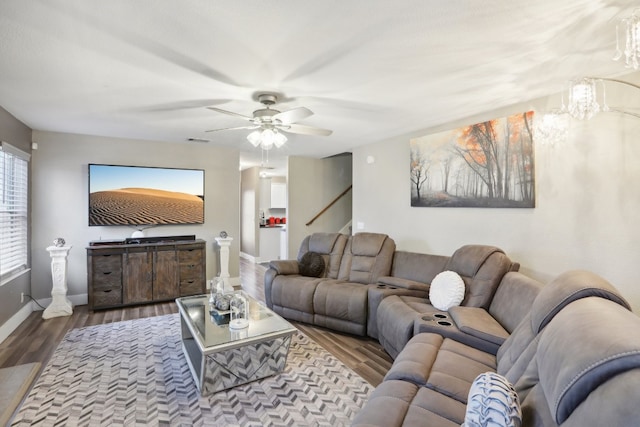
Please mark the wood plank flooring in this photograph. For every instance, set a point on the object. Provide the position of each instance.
(36, 339)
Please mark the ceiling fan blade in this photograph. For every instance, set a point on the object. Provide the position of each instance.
(235, 128)
(180, 105)
(293, 115)
(305, 130)
(230, 113)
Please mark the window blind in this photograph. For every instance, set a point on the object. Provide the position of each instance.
(14, 189)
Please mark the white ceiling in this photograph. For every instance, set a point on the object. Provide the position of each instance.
(369, 69)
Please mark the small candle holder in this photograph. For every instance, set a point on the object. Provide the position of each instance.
(239, 334)
(239, 307)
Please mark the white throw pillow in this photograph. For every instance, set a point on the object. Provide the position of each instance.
(492, 401)
(447, 290)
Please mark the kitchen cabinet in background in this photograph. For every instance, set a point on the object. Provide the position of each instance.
(278, 195)
(270, 243)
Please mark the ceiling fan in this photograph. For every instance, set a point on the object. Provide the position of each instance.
(268, 123)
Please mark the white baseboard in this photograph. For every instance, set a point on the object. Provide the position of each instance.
(235, 282)
(14, 321)
(81, 299)
(249, 257)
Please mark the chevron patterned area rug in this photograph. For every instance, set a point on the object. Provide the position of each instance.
(134, 373)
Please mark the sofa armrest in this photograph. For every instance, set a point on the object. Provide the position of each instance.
(285, 266)
(479, 323)
(401, 283)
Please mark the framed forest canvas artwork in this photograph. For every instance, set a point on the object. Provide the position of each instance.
(489, 164)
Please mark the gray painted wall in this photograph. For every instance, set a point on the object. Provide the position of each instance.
(249, 211)
(311, 185)
(60, 195)
(17, 134)
(586, 215)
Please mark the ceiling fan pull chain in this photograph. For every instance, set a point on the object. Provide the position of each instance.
(263, 162)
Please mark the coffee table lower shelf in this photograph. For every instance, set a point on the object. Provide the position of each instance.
(223, 368)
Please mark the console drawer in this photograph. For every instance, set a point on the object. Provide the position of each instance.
(192, 255)
(107, 297)
(190, 271)
(107, 279)
(106, 263)
(191, 287)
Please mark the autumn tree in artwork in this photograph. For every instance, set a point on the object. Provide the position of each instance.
(477, 147)
(502, 159)
(446, 173)
(419, 170)
(526, 159)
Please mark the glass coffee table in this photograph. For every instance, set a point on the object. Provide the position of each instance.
(219, 357)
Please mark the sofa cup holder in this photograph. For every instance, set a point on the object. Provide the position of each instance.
(386, 287)
(439, 318)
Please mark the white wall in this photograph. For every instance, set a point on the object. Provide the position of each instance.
(60, 197)
(587, 202)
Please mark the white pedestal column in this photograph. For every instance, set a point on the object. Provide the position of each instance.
(60, 304)
(224, 243)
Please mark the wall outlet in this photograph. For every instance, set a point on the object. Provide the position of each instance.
(21, 297)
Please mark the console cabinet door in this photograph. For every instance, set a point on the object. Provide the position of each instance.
(138, 277)
(165, 274)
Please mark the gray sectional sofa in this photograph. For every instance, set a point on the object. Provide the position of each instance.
(570, 349)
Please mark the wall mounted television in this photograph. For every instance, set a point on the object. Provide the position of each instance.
(145, 196)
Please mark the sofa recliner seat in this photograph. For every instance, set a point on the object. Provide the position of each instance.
(482, 267)
(483, 329)
(342, 304)
(521, 346)
(292, 297)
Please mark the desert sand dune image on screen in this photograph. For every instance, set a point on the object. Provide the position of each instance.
(140, 206)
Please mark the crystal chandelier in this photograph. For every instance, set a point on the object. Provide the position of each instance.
(631, 28)
(551, 128)
(583, 100)
(266, 137)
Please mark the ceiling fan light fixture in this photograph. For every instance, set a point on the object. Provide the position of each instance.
(279, 139)
(266, 138)
(255, 137)
(268, 124)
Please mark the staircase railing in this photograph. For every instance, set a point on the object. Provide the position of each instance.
(326, 208)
